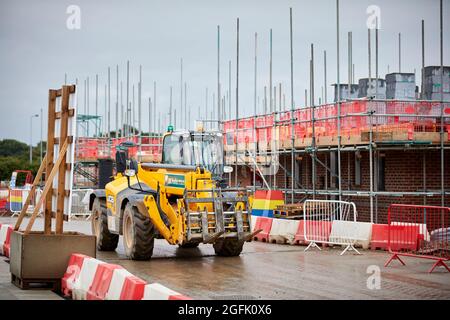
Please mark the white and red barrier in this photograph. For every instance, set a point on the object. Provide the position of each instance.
(125, 286)
(5, 236)
(101, 282)
(265, 225)
(87, 278)
(283, 231)
(156, 291)
(72, 273)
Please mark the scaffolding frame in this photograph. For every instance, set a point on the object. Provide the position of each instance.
(372, 146)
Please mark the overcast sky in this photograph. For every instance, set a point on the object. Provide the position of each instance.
(37, 49)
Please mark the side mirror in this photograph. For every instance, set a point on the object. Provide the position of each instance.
(227, 169)
(121, 161)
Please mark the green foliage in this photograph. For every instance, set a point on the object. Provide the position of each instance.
(11, 147)
(14, 155)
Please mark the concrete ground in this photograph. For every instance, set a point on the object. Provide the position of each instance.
(8, 291)
(268, 271)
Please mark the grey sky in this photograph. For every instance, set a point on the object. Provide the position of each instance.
(37, 48)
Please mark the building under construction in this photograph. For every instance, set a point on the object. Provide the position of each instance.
(370, 151)
(381, 141)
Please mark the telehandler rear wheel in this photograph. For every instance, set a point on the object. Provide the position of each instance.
(138, 234)
(106, 241)
(228, 247)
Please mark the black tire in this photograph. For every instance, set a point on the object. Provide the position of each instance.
(106, 241)
(189, 245)
(139, 240)
(228, 247)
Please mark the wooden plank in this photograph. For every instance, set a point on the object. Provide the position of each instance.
(66, 192)
(66, 217)
(60, 91)
(71, 113)
(49, 159)
(48, 186)
(36, 181)
(64, 126)
(56, 140)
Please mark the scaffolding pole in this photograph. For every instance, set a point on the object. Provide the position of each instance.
(292, 108)
(339, 102)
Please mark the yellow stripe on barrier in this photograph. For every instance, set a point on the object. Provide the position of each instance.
(16, 199)
(266, 204)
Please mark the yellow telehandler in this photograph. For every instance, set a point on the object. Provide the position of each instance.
(182, 199)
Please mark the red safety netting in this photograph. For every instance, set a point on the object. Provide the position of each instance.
(101, 148)
(404, 118)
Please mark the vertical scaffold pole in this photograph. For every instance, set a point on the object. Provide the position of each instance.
(237, 101)
(339, 102)
(292, 108)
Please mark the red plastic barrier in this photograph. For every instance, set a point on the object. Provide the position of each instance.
(318, 230)
(299, 237)
(324, 226)
(380, 235)
(72, 272)
(269, 194)
(3, 203)
(6, 244)
(419, 232)
(406, 237)
(265, 224)
(102, 279)
(133, 288)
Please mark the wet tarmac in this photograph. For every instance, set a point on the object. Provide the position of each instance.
(271, 271)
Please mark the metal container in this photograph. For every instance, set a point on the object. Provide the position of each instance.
(401, 86)
(36, 256)
(432, 83)
(344, 94)
(367, 89)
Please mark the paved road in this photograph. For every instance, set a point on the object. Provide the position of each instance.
(270, 271)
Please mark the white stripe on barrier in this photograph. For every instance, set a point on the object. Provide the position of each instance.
(351, 232)
(85, 278)
(115, 287)
(253, 222)
(283, 230)
(156, 291)
(422, 228)
(319, 218)
(363, 234)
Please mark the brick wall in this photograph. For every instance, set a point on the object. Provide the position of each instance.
(403, 172)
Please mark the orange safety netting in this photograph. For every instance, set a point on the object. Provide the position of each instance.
(386, 116)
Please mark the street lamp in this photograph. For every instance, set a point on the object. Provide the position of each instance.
(31, 136)
(41, 136)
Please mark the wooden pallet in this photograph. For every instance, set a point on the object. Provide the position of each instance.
(26, 284)
(288, 211)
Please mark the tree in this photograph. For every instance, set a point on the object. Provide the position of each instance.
(14, 155)
(11, 147)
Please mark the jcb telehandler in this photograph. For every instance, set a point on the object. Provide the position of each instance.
(180, 199)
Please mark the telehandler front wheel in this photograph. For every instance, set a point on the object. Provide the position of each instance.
(106, 241)
(228, 247)
(138, 234)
